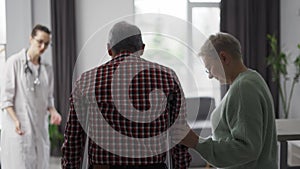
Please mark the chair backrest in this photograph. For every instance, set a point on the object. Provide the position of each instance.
(200, 107)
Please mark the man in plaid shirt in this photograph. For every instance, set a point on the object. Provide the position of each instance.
(126, 108)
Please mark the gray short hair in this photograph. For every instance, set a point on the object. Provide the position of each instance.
(221, 42)
(125, 37)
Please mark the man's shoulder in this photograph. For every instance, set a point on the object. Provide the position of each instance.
(160, 66)
(97, 69)
(85, 80)
(89, 73)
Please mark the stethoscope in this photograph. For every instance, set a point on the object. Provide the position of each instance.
(28, 69)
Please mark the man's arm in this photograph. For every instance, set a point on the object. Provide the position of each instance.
(74, 140)
(180, 154)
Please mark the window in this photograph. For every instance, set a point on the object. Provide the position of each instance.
(174, 38)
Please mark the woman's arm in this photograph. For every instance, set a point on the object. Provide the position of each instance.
(14, 117)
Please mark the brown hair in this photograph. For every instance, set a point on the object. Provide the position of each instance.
(39, 27)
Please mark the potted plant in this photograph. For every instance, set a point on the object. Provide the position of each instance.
(278, 61)
(55, 140)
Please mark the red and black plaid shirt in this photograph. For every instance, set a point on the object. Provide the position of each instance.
(126, 106)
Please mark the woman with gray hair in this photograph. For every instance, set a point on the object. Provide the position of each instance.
(243, 125)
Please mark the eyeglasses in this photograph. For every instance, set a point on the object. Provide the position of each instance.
(40, 42)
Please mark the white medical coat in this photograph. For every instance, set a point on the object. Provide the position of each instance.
(30, 102)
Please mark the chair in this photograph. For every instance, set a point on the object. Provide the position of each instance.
(199, 107)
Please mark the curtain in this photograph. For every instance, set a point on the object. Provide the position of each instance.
(64, 53)
(250, 21)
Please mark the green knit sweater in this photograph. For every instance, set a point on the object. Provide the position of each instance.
(244, 131)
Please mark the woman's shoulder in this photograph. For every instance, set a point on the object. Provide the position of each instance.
(16, 58)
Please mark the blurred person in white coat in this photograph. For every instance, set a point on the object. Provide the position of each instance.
(27, 98)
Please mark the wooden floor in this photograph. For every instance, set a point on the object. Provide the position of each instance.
(55, 163)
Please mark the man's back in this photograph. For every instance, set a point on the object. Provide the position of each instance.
(130, 104)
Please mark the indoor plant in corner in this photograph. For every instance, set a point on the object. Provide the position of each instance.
(56, 139)
(278, 61)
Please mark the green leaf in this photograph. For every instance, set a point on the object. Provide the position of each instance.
(278, 62)
(55, 136)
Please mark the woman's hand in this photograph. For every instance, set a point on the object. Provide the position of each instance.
(185, 136)
(14, 117)
(18, 128)
(190, 140)
(55, 116)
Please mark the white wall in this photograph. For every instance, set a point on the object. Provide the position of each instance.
(290, 26)
(92, 17)
(21, 16)
(18, 24)
(41, 14)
